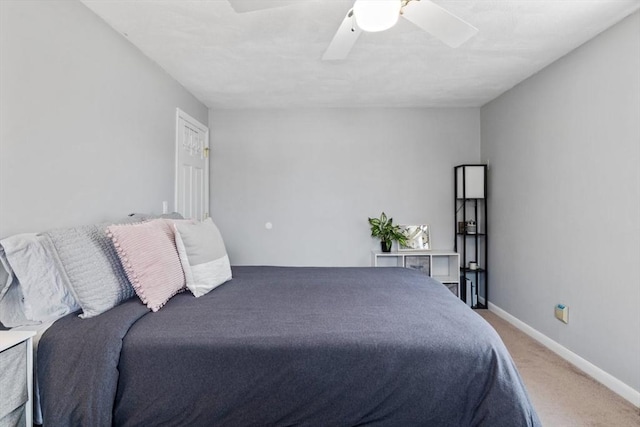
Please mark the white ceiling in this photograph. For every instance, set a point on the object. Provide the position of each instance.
(271, 58)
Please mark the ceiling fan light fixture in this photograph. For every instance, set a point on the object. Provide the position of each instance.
(376, 15)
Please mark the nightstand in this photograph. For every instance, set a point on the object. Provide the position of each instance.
(16, 378)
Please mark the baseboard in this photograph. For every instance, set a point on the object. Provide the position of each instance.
(589, 368)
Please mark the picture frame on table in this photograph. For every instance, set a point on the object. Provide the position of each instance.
(418, 238)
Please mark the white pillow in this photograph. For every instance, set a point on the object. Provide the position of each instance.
(35, 286)
(203, 256)
(11, 299)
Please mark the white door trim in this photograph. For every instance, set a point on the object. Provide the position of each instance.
(187, 118)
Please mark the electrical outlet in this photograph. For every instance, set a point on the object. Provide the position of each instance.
(165, 207)
(562, 313)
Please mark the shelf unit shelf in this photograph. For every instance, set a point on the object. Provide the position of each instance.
(470, 270)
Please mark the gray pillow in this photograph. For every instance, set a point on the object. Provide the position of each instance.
(92, 268)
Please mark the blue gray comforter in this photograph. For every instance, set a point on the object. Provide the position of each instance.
(286, 346)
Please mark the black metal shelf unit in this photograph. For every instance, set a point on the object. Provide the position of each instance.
(471, 233)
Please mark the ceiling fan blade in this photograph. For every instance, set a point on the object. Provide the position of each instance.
(242, 6)
(439, 22)
(343, 40)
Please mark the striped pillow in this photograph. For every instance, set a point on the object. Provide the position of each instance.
(150, 260)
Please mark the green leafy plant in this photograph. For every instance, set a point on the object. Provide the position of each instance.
(384, 229)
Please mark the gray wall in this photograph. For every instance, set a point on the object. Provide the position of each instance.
(317, 175)
(87, 123)
(564, 154)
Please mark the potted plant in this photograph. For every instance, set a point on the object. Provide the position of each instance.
(384, 229)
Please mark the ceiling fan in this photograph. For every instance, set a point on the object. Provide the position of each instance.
(380, 15)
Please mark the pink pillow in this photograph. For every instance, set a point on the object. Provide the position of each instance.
(150, 260)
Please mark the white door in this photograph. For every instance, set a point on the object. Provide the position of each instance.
(192, 167)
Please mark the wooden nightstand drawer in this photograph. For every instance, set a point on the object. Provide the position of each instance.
(13, 382)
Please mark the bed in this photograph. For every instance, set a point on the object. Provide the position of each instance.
(285, 346)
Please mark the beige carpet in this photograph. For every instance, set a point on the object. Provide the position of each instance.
(563, 395)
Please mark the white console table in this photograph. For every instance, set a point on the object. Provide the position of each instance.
(444, 266)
